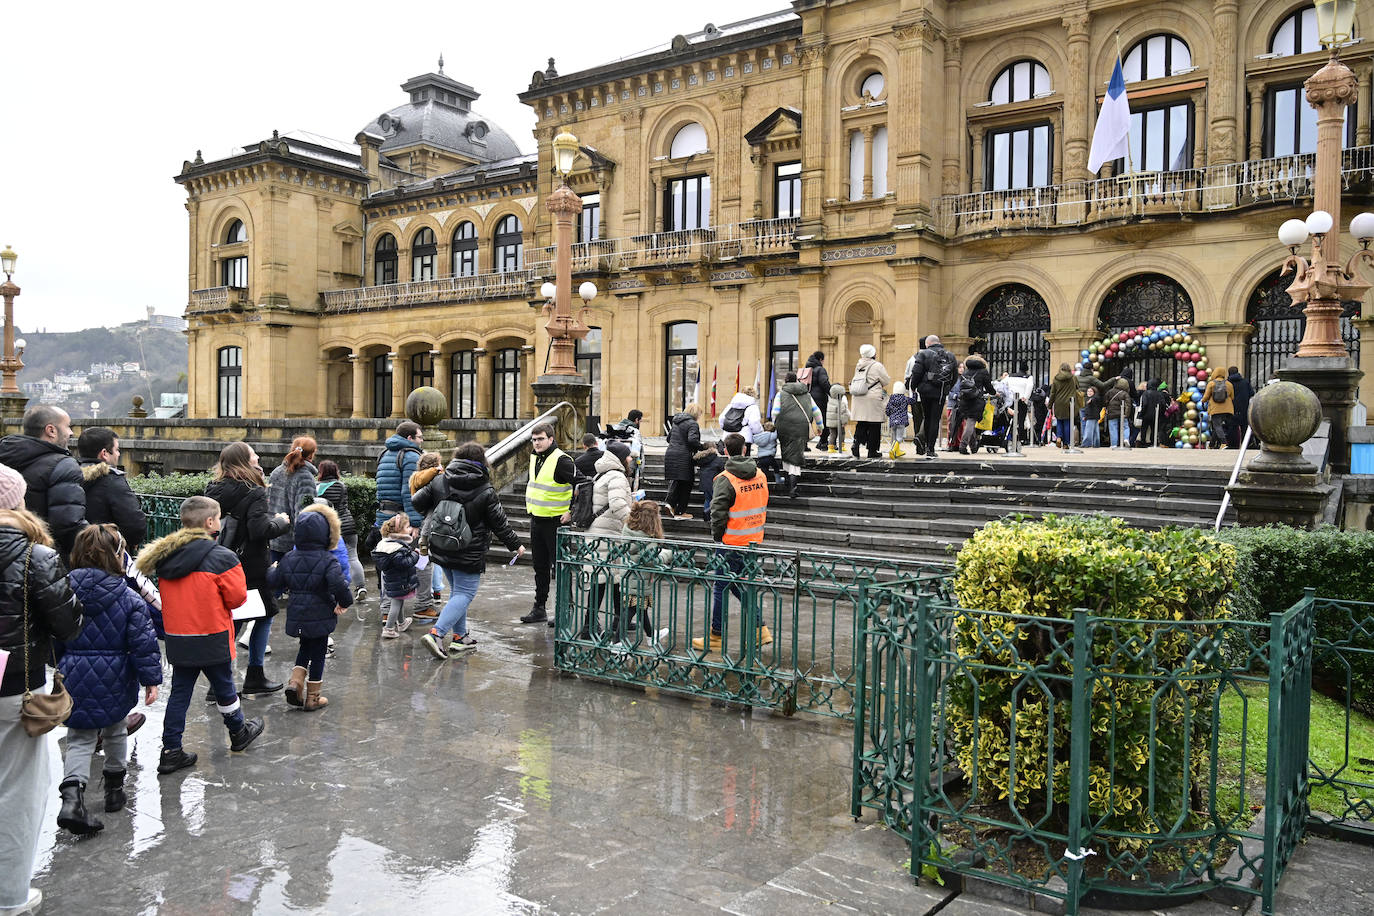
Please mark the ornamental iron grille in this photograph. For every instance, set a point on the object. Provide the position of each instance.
(1148, 299)
(1008, 327)
(1279, 324)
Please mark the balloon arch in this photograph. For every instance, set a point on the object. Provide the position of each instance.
(1194, 426)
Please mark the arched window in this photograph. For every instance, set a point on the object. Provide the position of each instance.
(689, 140)
(1008, 327)
(506, 384)
(1020, 81)
(381, 385)
(680, 367)
(589, 365)
(1149, 299)
(509, 242)
(384, 266)
(465, 250)
(1279, 324)
(230, 381)
(233, 271)
(235, 233)
(1297, 34)
(1290, 124)
(423, 255)
(873, 86)
(1156, 56)
(463, 384)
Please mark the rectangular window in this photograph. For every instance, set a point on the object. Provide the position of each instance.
(787, 191)
(384, 270)
(856, 165)
(687, 203)
(421, 370)
(680, 367)
(422, 267)
(1162, 138)
(235, 272)
(231, 382)
(1018, 157)
(589, 365)
(463, 384)
(1290, 127)
(880, 163)
(506, 384)
(783, 337)
(589, 220)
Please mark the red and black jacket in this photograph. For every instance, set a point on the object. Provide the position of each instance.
(201, 583)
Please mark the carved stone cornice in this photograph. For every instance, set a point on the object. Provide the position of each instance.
(1076, 24)
(631, 116)
(922, 29)
(812, 53)
(732, 97)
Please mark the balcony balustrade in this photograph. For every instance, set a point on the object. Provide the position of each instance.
(216, 298)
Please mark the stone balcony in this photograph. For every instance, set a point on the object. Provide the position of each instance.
(1221, 188)
(217, 299)
(513, 284)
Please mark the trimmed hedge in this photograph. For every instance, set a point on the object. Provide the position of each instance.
(362, 491)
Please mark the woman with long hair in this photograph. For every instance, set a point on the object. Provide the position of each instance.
(290, 487)
(330, 486)
(241, 492)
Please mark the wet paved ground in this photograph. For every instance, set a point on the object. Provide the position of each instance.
(489, 784)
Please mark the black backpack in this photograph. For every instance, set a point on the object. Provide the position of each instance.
(1039, 397)
(233, 531)
(583, 500)
(449, 533)
(946, 367)
(733, 420)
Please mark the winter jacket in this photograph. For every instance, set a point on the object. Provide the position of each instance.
(753, 420)
(707, 472)
(115, 653)
(395, 559)
(394, 467)
(586, 462)
(201, 583)
(925, 371)
(1153, 403)
(420, 478)
(1091, 387)
(340, 549)
(977, 386)
(248, 503)
(54, 610)
(289, 492)
(1119, 402)
(337, 495)
(898, 411)
(684, 441)
(868, 408)
(837, 411)
(470, 484)
(1063, 395)
(55, 486)
(1096, 400)
(311, 573)
(794, 418)
(1243, 392)
(1215, 408)
(723, 493)
(611, 492)
(110, 499)
(766, 444)
(820, 384)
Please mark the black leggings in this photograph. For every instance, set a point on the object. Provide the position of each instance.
(310, 656)
(679, 491)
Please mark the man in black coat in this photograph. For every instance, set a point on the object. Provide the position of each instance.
(55, 492)
(932, 375)
(591, 454)
(1243, 392)
(109, 497)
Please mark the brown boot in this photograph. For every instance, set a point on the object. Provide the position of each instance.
(295, 687)
(313, 700)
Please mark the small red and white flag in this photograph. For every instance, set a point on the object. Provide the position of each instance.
(713, 390)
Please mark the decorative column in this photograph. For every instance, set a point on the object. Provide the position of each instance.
(400, 384)
(12, 400)
(359, 385)
(481, 360)
(976, 166)
(812, 51)
(441, 375)
(950, 183)
(869, 131)
(1077, 96)
(756, 158)
(731, 140)
(1366, 99)
(1222, 88)
(1256, 122)
(561, 382)
(322, 387)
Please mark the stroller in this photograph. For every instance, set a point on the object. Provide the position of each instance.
(1000, 434)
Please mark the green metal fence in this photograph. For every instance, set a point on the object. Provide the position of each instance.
(628, 609)
(1084, 757)
(1344, 644)
(163, 513)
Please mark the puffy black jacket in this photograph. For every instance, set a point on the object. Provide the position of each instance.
(977, 386)
(55, 492)
(54, 610)
(249, 504)
(109, 499)
(114, 654)
(312, 574)
(684, 441)
(470, 484)
(820, 383)
(337, 494)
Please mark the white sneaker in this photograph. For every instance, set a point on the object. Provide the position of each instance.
(405, 624)
(267, 651)
(390, 633)
(360, 593)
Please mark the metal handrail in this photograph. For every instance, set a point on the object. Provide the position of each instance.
(501, 457)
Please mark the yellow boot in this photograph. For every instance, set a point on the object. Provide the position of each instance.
(764, 637)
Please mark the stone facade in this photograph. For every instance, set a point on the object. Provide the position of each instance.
(949, 195)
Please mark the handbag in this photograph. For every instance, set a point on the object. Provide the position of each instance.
(989, 412)
(40, 713)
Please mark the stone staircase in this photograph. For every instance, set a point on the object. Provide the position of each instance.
(926, 509)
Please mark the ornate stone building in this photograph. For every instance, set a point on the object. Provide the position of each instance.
(835, 174)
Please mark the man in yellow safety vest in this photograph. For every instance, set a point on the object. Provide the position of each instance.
(739, 508)
(548, 499)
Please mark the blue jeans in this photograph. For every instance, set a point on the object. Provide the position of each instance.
(732, 560)
(1089, 434)
(184, 677)
(462, 588)
(436, 578)
(1115, 428)
(1063, 430)
(262, 629)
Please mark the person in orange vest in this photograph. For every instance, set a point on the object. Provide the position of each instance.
(739, 508)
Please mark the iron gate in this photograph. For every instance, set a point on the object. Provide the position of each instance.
(1008, 328)
(1279, 325)
(1149, 299)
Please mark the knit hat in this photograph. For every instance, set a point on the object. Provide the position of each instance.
(12, 487)
(618, 449)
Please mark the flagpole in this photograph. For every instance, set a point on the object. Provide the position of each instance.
(1130, 166)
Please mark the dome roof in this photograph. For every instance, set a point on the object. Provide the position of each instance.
(439, 114)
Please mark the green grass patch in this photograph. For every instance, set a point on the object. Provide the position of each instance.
(1242, 748)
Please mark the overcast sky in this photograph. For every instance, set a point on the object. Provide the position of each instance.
(106, 100)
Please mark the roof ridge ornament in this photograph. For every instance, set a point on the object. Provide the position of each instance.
(441, 63)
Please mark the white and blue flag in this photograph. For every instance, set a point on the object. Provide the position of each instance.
(1112, 138)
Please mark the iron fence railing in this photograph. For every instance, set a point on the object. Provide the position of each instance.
(1344, 656)
(163, 514)
(628, 610)
(1087, 756)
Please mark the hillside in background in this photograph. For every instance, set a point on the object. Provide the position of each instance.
(161, 353)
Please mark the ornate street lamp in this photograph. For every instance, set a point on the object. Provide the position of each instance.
(10, 364)
(1323, 283)
(564, 328)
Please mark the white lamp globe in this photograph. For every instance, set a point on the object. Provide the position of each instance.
(548, 290)
(1293, 233)
(587, 291)
(1320, 222)
(1362, 226)
(21, 344)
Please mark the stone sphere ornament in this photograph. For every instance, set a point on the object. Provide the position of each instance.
(427, 406)
(1283, 416)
